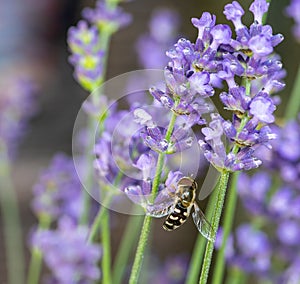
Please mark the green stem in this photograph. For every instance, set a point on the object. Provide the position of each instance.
(98, 219)
(140, 250)
(215, 225)
(196, 261)
(137, 264)
(227, 226)
(235, 276)
(106, 202)
(128, 239)
(91, 127)
(11, 222)
(106, 257)
(293, 105)
(35, 264)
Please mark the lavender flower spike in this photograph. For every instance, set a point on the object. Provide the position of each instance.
(106, 17)
(86, 55)
(17, 105)
(67, 254)
(58, 191)
(215, 151)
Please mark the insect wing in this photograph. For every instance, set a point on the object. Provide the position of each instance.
(202, 224)
(163, 204)
(159, 210)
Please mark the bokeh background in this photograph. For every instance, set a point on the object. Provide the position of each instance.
(33, 43)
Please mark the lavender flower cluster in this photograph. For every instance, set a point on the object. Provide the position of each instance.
(17, 106)
(172, 271)
(272, 197)
(58, 191)
(58, 200)
(136, 130)
(251, 71)
(193, 73)
(251, 57)
(216, 57)
(87, 42)
(67, 254)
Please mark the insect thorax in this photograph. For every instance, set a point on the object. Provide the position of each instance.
(186, 195)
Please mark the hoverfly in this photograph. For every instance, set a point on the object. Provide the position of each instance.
(178, 205)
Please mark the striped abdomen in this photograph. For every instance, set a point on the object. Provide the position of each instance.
(177, 217)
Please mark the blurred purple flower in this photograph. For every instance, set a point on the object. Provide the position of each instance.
(293, 10)
(289, 232)
(67, 254)
(151, 47)
(291, 274)
(58, 191)
(229, 249)
(172, 271)
(106, 17)
(253, 191)
(17, 106)
(255, 250)
(285, 157)
(273, 196)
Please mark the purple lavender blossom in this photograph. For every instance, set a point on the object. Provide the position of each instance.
(120, 131)
(173, 270)
(288, 232)
(185, 96)
(253, 191)
(58, 191)
(255, 249)
(293, 10)
(150, 47)
(215, 151)
(285, 155)
(229, 249)
(195, 68)
(272, 195)
(130, 145)
(106, 18)
(250, 57)
(248, 249)
(86, 42)
(17, 106)
(86, 55)
(153, 136)
(67, 254)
